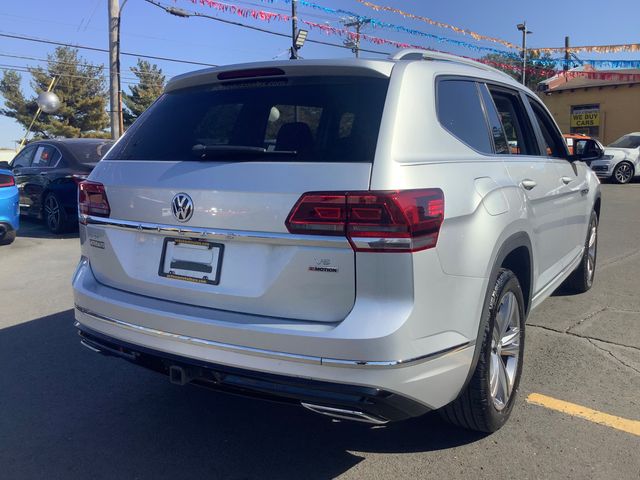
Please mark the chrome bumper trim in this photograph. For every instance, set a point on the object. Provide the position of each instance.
(291, 357)
(219, 234)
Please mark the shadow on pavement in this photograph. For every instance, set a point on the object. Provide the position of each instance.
(33, 228)
(66, 412)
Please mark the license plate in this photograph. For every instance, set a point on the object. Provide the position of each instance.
(191, 260)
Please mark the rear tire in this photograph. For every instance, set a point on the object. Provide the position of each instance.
(581, 280)
(486, 402)
(8, 238)
(623, 173)
(54, 215)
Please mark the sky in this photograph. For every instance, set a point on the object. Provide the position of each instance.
(148, 30)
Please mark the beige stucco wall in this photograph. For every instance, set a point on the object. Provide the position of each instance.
(619, 108)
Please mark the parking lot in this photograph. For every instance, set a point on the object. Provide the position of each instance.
(66, 412)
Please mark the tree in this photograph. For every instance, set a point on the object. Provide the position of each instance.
(539, 68)
(79, 85)
(150, 85)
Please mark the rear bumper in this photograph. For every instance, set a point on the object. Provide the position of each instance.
(431, 376)
(9, 210)
(354, 402)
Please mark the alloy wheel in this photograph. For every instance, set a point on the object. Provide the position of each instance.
(505, 350)
(52, 212)
(623, 173)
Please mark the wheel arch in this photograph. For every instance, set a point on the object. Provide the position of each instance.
(515, 253)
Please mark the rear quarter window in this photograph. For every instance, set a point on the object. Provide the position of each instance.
(460, 113)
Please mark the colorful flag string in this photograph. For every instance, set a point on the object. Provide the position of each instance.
(544, 65)
(462, 31)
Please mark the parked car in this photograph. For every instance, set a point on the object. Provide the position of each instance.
(589, 149)
(47, 173)
(621, 160)
(9, 210)
(355, 236)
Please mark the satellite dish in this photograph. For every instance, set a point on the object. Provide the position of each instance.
(48, 102)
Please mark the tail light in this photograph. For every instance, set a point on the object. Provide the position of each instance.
(382, 221)
(92, 199)
(7, 180)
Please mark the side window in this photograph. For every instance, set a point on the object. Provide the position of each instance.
(46, 156)
(553, 141)
(460, 112)
(24, 158)
(515, 121)
(495, 124)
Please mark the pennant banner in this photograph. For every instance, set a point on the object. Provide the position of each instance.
(628, 47)
(243, 12)
(462, 31)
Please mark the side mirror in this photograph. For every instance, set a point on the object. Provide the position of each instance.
(5, 165)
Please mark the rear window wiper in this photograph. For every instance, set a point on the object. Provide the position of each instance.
(235, 151)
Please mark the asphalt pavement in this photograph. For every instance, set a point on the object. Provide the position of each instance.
(68, 413)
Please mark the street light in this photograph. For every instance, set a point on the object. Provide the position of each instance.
(523, 28)
(300, 38)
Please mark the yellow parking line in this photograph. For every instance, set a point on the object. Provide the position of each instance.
(619, 423)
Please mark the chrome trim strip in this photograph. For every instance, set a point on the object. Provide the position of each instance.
(219, 234)
(344, 414)
(291, 357)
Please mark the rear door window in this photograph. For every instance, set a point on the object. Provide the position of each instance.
(460, 112)
(287, 119)
(46, 156)
(521, 138)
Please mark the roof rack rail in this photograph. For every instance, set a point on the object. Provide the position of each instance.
(419, 54)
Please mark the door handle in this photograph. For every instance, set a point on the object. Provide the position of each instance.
(566, 180)
(528, 184)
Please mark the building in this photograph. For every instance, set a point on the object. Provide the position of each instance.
(604, 104)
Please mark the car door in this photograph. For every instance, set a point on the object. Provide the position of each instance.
(572, 181)
(21, 166)
(537, 177)
(41, 174)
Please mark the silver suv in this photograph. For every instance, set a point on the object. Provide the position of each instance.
(364, 238)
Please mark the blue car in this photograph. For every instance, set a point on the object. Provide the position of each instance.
(9, 207)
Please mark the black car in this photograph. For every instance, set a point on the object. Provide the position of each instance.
(47, 173)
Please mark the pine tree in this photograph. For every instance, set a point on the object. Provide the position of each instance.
(150, 84)
(79, 85)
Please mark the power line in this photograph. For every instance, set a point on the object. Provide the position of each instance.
(24, 69)
(58, 62)
(103, 50)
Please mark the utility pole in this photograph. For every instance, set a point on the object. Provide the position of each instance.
(114, 68)
(358, 23)
(567, 54)
(523, 28)
(294, 29)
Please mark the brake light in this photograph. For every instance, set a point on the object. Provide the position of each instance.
(7, 180)
(375, 221)
(92, 199)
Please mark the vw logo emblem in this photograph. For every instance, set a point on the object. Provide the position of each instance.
(182, 207)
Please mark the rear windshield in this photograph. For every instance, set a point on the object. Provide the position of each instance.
(301, 119)
(89, 153)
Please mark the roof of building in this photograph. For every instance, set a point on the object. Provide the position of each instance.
(588, 77)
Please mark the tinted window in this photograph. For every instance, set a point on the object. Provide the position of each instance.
(515, 121)
(460, 112)
(292, 119)
(497, 130)
(554, 144)
(23, 159)
(628, 141)
(90, 152)
(45, 156)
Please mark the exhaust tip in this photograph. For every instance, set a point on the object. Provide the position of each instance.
(345, 414)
